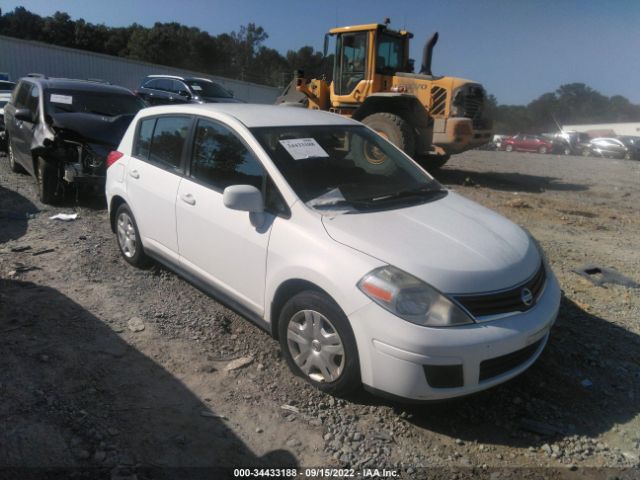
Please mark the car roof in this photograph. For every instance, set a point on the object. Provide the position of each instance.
(77, 84)
(255, 115)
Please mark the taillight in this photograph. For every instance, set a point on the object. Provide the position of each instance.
(113, 157)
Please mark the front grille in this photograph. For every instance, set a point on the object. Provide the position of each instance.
(471, 98)
(506, 301)
(497, 366)
(438, 100)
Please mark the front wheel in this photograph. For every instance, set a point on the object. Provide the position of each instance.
(47, 178)
(431, 163)
(586, 152)
(393, 128)
(509, 148)
(542, 150)
(318, 343)
(13, 165)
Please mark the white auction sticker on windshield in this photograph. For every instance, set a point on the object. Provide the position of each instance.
(197, 88)
(301, 148)
(56, 98)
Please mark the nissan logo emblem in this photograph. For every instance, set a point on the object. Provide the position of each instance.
(526, 296)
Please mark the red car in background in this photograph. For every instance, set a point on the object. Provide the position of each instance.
(527, 143)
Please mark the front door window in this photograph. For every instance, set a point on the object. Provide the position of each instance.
(350, 61)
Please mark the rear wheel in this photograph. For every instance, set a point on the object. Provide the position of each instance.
(586, 152)
(318, 343)
(47, 178)
(627, 156)
(128, 238)
(542, 150)
(509, 148)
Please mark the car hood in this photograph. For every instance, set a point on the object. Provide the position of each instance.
(453, 244)
(91, 128)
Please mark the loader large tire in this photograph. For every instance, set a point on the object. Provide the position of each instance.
(393, 128)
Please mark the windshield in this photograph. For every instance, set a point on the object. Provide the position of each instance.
(108, 104)
(345, 167)
(208, 89)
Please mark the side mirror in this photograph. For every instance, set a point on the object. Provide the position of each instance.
(24, 114)
(245, 198)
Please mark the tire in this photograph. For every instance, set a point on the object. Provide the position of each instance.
(586, 152)
(395, 129)
(431, 163)
(567, 151)
(128, 238)
(627, 156)
(542, 150)
(13, 165)
(311, 323)
(47, 179)
(508, 148)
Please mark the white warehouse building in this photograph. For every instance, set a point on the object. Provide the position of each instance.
(603, 129)
(20, 57)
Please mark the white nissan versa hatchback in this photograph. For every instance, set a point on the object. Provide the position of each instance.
(311, 225)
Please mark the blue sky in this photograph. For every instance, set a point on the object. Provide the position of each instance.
(519, 49)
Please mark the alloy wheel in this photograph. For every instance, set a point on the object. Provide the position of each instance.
(126, 235)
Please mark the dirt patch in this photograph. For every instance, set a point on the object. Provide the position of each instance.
(105, 366)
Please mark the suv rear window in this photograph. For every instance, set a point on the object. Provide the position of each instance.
(109, 104)
(208, 89)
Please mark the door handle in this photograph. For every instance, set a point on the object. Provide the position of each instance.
(134, 174)
(188, 198)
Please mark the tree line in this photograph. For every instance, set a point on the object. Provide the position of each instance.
(242, 55)
(573, 103)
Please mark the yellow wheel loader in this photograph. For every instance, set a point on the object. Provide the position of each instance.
(430, 117)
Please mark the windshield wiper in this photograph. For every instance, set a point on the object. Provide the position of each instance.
(414, 192)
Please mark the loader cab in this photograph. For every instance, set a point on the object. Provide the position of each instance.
(363, 53)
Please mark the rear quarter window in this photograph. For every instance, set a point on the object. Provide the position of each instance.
(161, 140)
(143, 138)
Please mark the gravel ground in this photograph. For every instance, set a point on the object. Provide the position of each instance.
(119, 373)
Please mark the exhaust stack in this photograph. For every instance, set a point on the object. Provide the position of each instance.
(427, 55)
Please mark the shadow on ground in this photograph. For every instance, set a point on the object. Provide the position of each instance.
(77, 397)
(15, 211)
(507, 181)
(549, 401)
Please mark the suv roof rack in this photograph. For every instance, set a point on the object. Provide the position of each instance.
(166, 76)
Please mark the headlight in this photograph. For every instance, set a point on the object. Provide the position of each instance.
(535, 242)
(411, 299)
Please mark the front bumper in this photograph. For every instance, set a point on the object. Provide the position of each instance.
(73, 173)
(393, 353)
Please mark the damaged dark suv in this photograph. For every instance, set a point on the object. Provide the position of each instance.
(61, 131)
